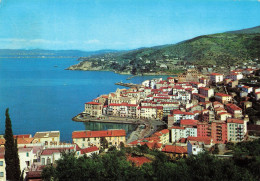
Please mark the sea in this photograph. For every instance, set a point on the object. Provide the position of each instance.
(42, 96)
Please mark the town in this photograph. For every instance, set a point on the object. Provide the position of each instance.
(181, 116)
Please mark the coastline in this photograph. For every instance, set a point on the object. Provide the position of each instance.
(144, 128)
(125, 73)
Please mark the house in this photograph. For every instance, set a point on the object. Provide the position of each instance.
(177, 115)
(257, 95)
(234, 110)
(175, 151)
(195, 145)
(47, 137)
(150, 142)
(190, 126)
(89, 151)
(207, 92)
(247, 89)
(223, 116)
(50, 155)
(163, 135)
(94, 138)
(177, 133)
(236, 130)
(26, 157)
(223, 98)
(236, 76)
(93, 108)
(138, 161)
(216, 77)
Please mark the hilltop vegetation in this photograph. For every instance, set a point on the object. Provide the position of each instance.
(217, 49)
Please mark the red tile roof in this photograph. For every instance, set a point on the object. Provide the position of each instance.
(55, 150)
(233, 107)
(139, 161)
(23, 136)
(215, 74)
(93, 103)
(176, 127)
(205, 140)
(89, 150)
(191, 122)
(92, 134)
(222, 95)
(232, 120)
(174, 149)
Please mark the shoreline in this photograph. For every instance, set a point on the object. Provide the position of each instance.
(144, 128)
(126, 73)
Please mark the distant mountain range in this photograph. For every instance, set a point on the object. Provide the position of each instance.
(222, 49)
(49, 53)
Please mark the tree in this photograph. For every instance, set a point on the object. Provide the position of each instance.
(11, 152)
(104, 143)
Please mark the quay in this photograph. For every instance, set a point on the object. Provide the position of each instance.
(106, 119)
(145, 128)
(131, 85)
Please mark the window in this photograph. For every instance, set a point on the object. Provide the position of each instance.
(27, 154)
(1, 174)
(83, 139)
(1, 163)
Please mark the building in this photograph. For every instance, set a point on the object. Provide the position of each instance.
(48, 137)
(196, 145)
(93, 109)
(207, 92)
(223, 98)
(173, 151)
(178, 115)
(234, 110)
(26, 157)
(236, 76)
(216, 77)
(163, 135)
(2, 164)
(93, 138)
(236, 129)
(50, 155)
(177, 133)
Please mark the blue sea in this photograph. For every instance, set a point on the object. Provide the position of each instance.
(42, 96)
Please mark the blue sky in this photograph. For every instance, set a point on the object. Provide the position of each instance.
(118, 24)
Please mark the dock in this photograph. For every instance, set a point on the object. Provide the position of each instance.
(127, 84)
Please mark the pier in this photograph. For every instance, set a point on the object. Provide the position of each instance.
(127, 84)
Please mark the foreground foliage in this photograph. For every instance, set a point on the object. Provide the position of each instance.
(11, 151)
(114, 166)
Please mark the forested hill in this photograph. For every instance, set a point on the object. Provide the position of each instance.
(216, 49)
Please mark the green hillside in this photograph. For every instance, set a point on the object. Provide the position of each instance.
(217, 49)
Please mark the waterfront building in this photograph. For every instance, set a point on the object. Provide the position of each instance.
(86, 139)
(93, 108)
(48, 137)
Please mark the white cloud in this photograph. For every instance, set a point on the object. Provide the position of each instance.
(94, 41)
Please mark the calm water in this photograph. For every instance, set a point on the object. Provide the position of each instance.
(42, 96)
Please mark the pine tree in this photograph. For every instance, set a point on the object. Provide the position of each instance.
(11, 152)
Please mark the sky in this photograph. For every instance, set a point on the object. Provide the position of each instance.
(118, 24)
